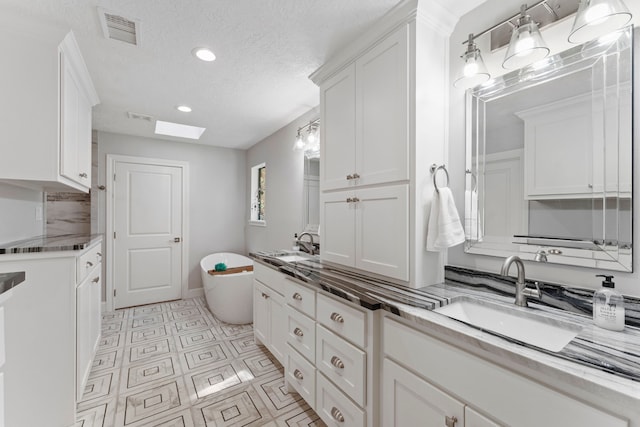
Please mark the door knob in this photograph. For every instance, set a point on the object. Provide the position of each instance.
(176, 239)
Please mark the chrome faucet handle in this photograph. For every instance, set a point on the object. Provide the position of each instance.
(533, 293)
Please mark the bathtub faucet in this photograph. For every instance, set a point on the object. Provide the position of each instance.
(308, 247)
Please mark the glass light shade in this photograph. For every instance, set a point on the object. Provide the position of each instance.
(596, 18)
(474, 72)
(526, 45)
(299, 144)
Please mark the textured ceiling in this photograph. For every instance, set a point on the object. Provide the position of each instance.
(265, 51)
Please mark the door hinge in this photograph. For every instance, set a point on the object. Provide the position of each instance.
(114, 176)
(114, 234)
(114, 293)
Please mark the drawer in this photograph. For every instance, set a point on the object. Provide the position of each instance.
(342, 319)
(342, 363)
(301, 334)
(301, 375)
(270, 277)
(334, 407)
(301, 297)
(88, 261)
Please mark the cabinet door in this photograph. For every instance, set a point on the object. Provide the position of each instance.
(408, 400)
(70, 104)
(83, 335)
(382, 106)
(95, 309)
(84, 140)
(261, 316)
(337, 139)
(382, 231)
(278, 327)
(338, 235)
(474, 419)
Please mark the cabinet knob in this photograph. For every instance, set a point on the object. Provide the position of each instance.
(265, 296)
(99, 255)
(298, 375)
(96, 280)
(450, 421)
(355, 176)
(89, 264)
(355, 200)
(83, 175)
(298, 332)
(297, 297)
(349, 177)
(337, 415)
(337, 318)
(335, 361)
(349, 200)
(176, 240)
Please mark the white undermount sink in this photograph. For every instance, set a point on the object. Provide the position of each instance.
(547, 333)
(292, 258)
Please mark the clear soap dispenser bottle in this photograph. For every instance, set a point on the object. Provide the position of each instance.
(608, 306)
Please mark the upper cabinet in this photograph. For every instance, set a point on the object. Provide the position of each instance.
(46, 113)
(383, 112)
(364, 114)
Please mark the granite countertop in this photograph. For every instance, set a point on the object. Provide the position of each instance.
(595, 358)
(66, 242)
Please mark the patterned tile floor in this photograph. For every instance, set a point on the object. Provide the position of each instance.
(174, 364)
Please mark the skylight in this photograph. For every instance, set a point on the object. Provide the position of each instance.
(179, 130)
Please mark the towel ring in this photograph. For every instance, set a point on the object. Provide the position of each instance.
(434, 171)
(474, 180)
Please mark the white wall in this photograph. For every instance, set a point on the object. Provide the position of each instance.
(285, 177)
(216, 192)
(476, 21)
(18, 213)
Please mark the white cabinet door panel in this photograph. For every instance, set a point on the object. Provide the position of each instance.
(337, 239)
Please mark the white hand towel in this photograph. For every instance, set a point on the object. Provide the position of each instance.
(444, 229)
(472, 224)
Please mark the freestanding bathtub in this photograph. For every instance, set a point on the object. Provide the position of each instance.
(229, 296)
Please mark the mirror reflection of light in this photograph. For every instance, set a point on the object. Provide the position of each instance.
(609, 38)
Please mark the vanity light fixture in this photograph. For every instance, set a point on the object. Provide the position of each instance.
(526, 45)
(307, 139)
(204, 54)
(596, 18)
(474, 71)
(184, 108)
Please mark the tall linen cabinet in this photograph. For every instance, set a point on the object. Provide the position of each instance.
(383, 112)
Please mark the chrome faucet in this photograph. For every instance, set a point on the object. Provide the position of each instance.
(522, 292)
(309, 247)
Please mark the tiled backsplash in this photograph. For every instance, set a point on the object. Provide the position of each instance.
(68, 213)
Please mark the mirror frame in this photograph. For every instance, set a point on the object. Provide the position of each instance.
(601, 254)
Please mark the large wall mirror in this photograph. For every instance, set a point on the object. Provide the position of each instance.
(311, 195)
(549, 159)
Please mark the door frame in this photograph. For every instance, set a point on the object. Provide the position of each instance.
(112, 160)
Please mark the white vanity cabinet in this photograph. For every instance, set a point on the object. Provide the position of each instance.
(364, 116)
(47, 100)
(424, 373)
(383, 116)
(269, 316)
(359, 231)
(88, 315)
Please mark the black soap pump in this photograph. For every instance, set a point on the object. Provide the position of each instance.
(608, 306)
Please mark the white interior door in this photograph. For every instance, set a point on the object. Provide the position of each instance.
(147, 233)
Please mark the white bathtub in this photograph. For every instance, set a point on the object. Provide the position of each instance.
(229, 296)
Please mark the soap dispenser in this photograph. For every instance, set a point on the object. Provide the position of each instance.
(608, 306)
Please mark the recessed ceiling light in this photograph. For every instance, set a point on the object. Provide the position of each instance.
(183, 108)
(204, 54)
(179, 130)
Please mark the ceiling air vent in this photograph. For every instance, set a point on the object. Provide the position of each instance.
(138, 116)
(116, 27)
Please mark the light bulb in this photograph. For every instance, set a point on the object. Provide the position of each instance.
(524, 45)
(311, 138)
(470, 69)
(597, 12)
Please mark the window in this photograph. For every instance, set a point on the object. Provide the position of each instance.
(258, 193)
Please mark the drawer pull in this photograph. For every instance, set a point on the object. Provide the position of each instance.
(83, 175)
(450, 421)
(335, 361)
(355, 176)
(298, 332)
(96, 280)
(99, 255)
(349, 200)
(298, 375)
(349, 177)
(265, 296)
(337, 415)
(89, 264)
(337, 318)
(297, 297)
